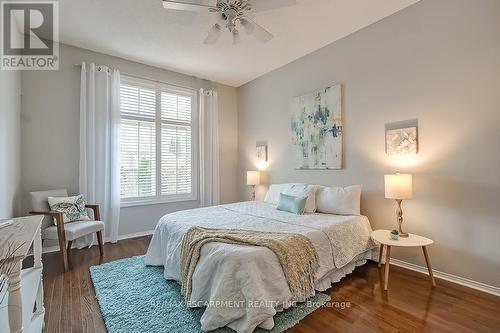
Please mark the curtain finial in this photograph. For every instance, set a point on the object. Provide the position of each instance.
(207, 92)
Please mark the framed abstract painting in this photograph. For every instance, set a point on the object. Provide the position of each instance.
(317, 129)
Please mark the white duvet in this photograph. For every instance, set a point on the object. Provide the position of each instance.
(243, 286)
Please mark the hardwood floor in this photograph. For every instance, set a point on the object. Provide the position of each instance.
(410, 305)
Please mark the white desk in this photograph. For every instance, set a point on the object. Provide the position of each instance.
(25, 289)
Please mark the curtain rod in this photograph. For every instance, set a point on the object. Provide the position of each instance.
(149, 79)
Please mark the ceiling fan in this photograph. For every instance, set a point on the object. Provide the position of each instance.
(231, 14)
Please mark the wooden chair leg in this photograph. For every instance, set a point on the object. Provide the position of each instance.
(64, 253)
(380, 255)
(68, 250)
(99, 240)
(387, 264)
(429, 267)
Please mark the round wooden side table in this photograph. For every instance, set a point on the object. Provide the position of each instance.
(383, 237)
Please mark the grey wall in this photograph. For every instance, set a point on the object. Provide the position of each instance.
(228, 149)
(50, 130)
(10, 143)
(438, 61)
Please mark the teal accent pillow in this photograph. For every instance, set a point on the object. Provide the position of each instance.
(288, 203)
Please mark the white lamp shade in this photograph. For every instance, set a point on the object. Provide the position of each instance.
(253, 178)
(398, 186)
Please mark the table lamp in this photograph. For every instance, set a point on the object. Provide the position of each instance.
(253, 179)
(399, 187)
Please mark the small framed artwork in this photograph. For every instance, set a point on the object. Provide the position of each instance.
(261, 152)
(401, 138)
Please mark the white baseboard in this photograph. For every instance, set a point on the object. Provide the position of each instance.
(132, 235)
(55, 248)
(449, 277)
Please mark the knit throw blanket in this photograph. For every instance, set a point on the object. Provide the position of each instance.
(295, 252)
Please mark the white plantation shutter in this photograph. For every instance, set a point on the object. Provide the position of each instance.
(138, 101)
(137, 159)
(176, 160)
(156, 142)
(176, 154)
(176, 107)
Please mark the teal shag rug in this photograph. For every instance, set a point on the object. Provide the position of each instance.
(136, 298)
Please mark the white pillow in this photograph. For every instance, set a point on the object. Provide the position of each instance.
(296, 190)
(273, 193)
(302, 190)
(339, 200)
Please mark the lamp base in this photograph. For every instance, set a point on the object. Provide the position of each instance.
(399, 213)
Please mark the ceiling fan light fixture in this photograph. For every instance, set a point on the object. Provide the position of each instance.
(231, 26)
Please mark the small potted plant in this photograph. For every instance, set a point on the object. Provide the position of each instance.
(394, 234)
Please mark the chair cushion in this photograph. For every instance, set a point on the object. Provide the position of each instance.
(74, 230)
(38, 202)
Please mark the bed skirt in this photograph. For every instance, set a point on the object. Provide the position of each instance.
(337, 274)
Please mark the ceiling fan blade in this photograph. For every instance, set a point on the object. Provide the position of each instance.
(258, 31)
(236, 37)
(248, 25)
(190, 5)
(213, 34)
(263, 5)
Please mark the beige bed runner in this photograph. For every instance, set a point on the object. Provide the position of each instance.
(295, 252)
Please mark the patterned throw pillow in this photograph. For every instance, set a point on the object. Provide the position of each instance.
(73, 208)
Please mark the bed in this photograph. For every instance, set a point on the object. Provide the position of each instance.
(243, 287)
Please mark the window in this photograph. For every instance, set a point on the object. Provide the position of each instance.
(156, 143)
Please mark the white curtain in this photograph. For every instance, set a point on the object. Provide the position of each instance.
(100, 142)
(209, 148)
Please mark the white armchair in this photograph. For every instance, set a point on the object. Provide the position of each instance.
(64, 232)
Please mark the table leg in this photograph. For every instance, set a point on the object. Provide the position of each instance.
(387, 264)
(380, 255)
(15, 301)
(429, 267)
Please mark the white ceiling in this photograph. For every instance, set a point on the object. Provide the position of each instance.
(141, 30)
